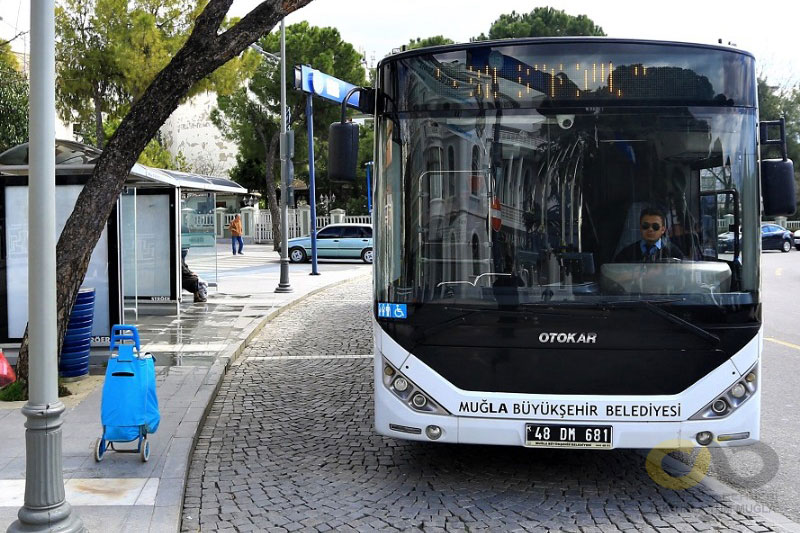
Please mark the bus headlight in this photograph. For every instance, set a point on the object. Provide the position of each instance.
(739, 391)
(719, 406)
(731, 399)
(419, 401)
(401, 384)
(407, 391)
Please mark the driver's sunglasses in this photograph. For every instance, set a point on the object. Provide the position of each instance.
(655, 225)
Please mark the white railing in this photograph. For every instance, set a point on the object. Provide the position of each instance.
(722, 224)
(204, 220)
(360, 219)
(263, 233)
(264, 226)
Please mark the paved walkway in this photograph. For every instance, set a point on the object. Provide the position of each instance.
(193, 353)
(288, 445)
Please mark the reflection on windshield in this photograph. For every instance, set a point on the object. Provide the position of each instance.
(519, 207)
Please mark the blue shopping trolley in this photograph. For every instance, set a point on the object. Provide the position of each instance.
(129, 409)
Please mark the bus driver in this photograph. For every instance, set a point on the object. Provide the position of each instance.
(652, 247)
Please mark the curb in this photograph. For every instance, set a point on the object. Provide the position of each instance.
(213, 380)
(736, 498)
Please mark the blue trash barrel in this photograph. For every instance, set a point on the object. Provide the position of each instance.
(74, 361)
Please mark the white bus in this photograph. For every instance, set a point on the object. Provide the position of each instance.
(520, 296)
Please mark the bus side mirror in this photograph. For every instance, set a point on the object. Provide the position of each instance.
(777, 187)
(343, 152)
(777, 175)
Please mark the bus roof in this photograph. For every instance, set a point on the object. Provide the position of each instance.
(551, 40)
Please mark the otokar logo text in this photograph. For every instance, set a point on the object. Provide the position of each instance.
(568, 338)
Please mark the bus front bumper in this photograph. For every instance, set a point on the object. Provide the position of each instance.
(394, 418)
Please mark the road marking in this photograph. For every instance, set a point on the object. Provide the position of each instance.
(292, 357)
(784, 343)
(778, 271)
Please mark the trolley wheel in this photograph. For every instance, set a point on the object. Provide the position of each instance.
(145, 452)
(99, 449)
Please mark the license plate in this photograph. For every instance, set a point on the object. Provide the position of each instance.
(560, 436)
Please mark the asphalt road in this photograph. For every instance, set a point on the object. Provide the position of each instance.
(770, 472)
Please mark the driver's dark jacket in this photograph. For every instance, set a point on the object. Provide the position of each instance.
(637, 253)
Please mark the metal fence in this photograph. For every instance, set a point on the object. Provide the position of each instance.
(792, 225)
(263, 233)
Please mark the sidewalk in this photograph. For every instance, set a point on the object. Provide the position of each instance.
(193, 352)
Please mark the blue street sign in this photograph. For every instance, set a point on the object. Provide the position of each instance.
(386, 310)
(323, 85)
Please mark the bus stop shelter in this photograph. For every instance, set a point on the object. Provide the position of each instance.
(135, 267)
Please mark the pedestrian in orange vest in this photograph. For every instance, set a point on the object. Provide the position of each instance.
(236, 234)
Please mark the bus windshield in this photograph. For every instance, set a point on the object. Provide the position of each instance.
(496, 202)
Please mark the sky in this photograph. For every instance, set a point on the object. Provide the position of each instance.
(769, 30)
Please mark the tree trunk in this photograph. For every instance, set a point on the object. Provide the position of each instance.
(204, 51)
(270, 149)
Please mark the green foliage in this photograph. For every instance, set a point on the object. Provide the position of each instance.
(155, 154)
(13, 107)
(252, 122)
(249, 173)
(109, 51)
(7, 57)
(436, 40)
(18, 391)
(14, 392)
(541, 22)
(89, 74)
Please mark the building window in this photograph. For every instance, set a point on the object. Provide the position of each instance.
(475, 178)
(450, 186)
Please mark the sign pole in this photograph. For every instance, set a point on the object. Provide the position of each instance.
(369, 187)
(312, 187)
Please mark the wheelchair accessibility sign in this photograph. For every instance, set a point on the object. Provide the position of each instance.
(399, 311)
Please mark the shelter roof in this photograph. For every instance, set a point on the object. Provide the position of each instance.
(77, 158)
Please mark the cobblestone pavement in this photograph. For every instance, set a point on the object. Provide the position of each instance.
(289, 446)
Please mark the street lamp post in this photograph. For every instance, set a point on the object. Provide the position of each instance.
(283, 284)
(45, 507)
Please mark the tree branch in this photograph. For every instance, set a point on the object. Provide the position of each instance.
(17, 36)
